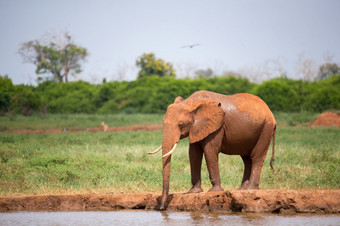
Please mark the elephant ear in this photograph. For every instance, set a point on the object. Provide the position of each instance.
(208, 117)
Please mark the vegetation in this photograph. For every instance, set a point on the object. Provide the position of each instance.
(76, 121)
(117, 162)
(150, 66)
(153, 94)
(306, 158)
(59, 57)
(327, 70)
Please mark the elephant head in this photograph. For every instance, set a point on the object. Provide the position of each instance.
(195, 119)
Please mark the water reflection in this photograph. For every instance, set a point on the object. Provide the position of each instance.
(161, 218)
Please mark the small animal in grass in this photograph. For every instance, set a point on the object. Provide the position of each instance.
(105, 126)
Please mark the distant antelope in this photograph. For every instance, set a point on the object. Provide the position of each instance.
(105, 126)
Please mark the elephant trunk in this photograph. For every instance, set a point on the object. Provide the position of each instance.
(169, 143)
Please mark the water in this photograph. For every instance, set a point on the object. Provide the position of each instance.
(161, 218)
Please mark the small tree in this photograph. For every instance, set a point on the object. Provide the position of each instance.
(58, 57)
(150, 65)
(208, 73)
(306, 68)
(328, 69)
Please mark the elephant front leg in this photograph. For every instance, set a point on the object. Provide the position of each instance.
(195, 156)
(211, 158)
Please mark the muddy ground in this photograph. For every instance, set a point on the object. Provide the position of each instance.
(259, 201)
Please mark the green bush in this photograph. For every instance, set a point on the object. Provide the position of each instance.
(153, 94)
(6, 93)
(72, 97)
(282, 94)
(279, 95)
(324, 95)
(25, 100)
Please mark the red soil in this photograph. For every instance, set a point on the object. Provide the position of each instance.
(327, 119)
(259, 201)
(92, 130)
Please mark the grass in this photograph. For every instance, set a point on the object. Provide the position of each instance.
(76, 121)
(306, 158)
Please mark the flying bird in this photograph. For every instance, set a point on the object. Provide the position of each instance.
(191, 46)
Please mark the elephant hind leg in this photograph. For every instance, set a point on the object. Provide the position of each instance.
(247, 171)
(258, 155)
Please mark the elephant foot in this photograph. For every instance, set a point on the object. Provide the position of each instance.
(162, 206)
(253, 187)
(244, 185)
(216, 188)
(248, 186)
(195, 190)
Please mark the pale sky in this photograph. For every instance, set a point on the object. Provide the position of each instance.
(233, 35)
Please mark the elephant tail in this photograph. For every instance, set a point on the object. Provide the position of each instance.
(273, 158)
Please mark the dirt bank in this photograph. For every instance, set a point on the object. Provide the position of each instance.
(261, 201)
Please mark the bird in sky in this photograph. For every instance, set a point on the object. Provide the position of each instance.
(191, 46)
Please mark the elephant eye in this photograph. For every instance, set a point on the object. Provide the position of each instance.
(181, 125)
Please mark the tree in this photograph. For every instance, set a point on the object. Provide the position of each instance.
(150, 65)
(306, 68)
(328, 69)
(208, 73)
(58, 57)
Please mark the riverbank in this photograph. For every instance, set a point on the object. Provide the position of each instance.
(258, 201)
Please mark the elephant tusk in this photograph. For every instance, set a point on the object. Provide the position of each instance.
(170, 152)
(157, 150)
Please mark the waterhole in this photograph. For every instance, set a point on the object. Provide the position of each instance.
(161, 218)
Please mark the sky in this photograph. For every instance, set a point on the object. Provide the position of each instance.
(241, 36)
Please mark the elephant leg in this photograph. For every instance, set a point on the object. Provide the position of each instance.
(254, 181)
(195, 156)
(258, 155)
(214, 173)
(247, 171)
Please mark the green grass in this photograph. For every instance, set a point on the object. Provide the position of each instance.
(306, 158)
(76, 121)
(284, 119)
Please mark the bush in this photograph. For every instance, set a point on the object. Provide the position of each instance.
(72, 97)
(279, 95)
(324, 95)
(153, 94)
(6, 93)
(26, 100)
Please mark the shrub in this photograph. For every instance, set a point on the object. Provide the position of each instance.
(26, 100)
(6, 93)
(279, 95)
(324, 95)
(152, 94)
(71, 97)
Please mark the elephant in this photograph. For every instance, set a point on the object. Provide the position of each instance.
(240, 124)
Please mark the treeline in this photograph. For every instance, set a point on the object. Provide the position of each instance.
(153, 94)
